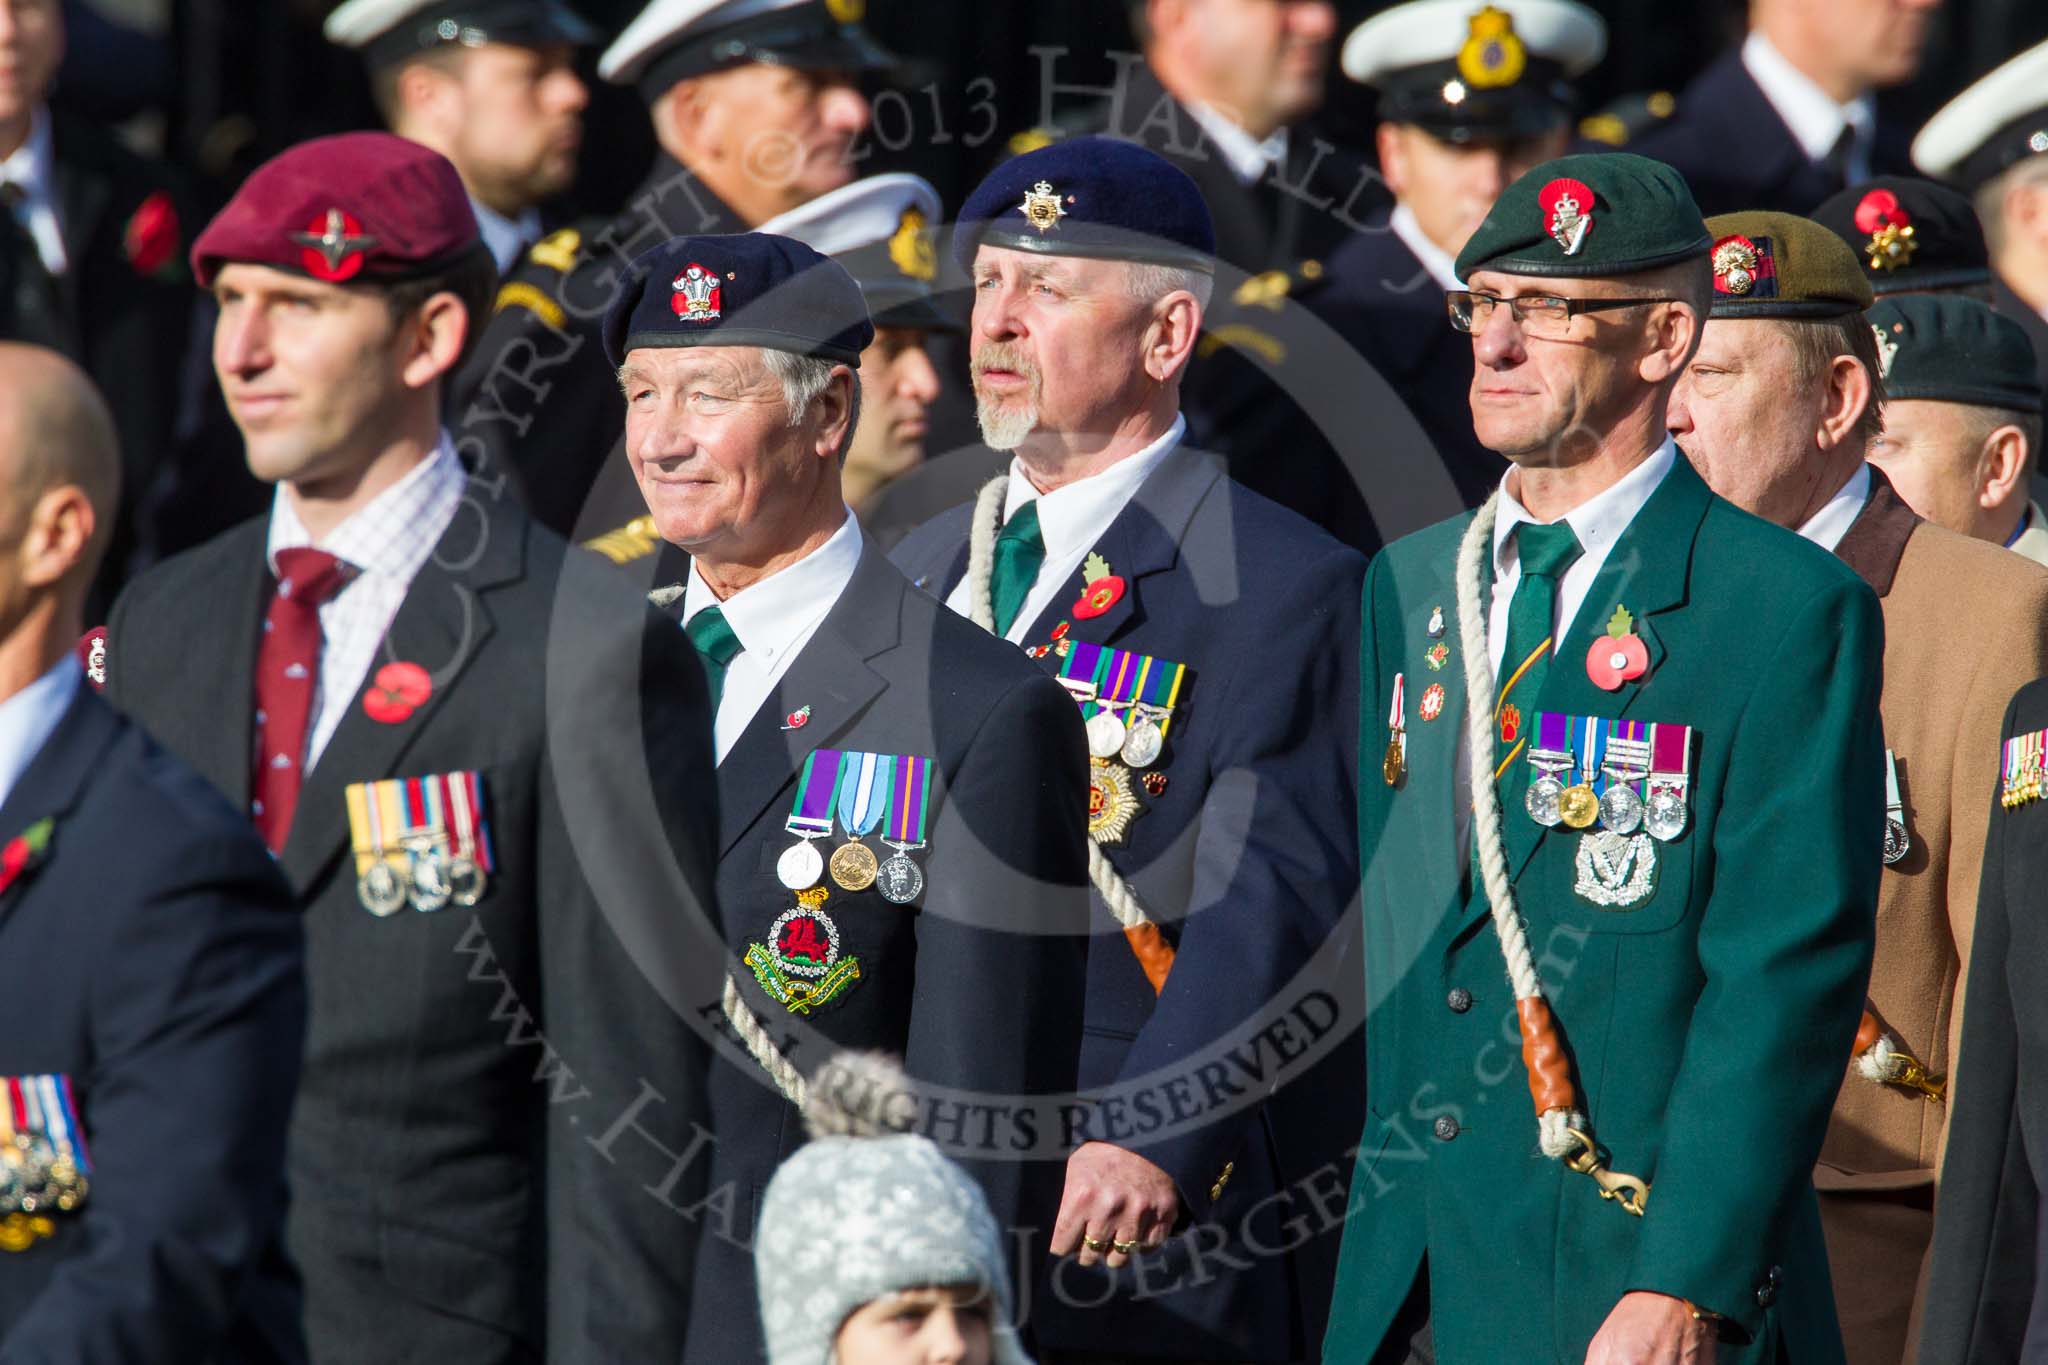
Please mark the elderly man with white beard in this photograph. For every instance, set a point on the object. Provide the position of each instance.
(1210, 638)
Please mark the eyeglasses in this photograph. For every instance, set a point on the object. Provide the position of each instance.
(1540, 315)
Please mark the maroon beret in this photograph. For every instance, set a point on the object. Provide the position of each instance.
(369, 206)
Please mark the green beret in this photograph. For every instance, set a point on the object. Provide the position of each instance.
(1779, 265)
(1604, 213)
(1954, 349)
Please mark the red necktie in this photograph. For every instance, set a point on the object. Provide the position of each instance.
(287, 667)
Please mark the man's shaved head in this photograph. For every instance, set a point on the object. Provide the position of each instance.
(55, 429)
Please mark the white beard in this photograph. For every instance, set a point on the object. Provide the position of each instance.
(1005, 425)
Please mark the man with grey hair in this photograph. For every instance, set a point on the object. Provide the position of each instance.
(1210, 638)
(942, 772)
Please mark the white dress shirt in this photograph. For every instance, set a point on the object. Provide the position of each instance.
(1070, 520)
(1598, 523)
(505, 237)
(1246, 157)
(1812, 115)
(1826, 527)
(1441, 265)
(29, 718)
(388, 542)
(773, 620)
(33, 167)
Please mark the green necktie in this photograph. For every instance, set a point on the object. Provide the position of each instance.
(1545, 552)
(716, 645)
(1020, 551)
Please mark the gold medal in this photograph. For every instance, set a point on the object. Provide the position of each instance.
(1391, 767)
(854, 866)
(1578, 807)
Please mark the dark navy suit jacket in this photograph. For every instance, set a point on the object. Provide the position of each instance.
(978, 985)
(1728, 142)
(154, 958)
(1247, 860)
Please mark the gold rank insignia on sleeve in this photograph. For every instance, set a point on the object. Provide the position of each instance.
(558, 250)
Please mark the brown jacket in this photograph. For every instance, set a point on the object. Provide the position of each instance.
(1966, 624)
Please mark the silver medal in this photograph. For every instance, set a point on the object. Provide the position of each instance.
(1142, 745)
(1105, 735)
(1621, 810)
(1896, 843)
(431, 888)
(465, 882)
(900, 880)
(380, 890)
(1664, 817)
(1542, 799)
(800, 866)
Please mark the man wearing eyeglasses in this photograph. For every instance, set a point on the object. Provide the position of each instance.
(1631, 755)
(1777, 411)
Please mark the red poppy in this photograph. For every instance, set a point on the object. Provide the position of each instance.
(24, 851)
(151, 238)
(1880, 209)
(396, 692)
(1619, 656)
(1098, 597)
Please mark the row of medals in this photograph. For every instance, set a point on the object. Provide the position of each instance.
(433, 881)
(1138, 744)
(36, 1179)
(1620, 808)
(855, 868)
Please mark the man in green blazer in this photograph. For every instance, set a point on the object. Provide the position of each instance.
(1624, 741)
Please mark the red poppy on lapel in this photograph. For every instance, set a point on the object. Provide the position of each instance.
(1619, 656)
(396, 692)
(1098, 597)
(24, 851)
(152, 239)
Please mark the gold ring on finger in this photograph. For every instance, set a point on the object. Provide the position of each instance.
(1125, 1248)
(1097, 1244)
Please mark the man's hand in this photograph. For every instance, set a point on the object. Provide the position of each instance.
(1651, 1329)
(1112, 1196)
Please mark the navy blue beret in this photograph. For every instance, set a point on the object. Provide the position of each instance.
(1090, 196)
(747, 289)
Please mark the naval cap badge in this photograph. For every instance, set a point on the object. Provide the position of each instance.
(1041, 207)
(1567, 213)
(1493, 55)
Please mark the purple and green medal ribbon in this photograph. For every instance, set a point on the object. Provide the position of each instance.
(1088, 663)
(1117, 677)
(1158, 688)
(908, 801)
(817, 791)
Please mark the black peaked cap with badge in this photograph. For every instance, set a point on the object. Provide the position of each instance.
(676, 40)
(1951, 348)
(1090, 196)
(1464, 70)
(1589, 216)
(1779, 265)
(1912, 234)
(743, 289)
(388, 32)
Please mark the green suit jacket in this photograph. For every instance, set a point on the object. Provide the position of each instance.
(1708, 1027)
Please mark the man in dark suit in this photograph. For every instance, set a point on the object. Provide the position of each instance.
(755, 109)
(91, 264)
(448, 711)
(1467, 103)
(1987, 1294)
(854, 710)
(151, 997)
(1209, 637)
(1791, 116)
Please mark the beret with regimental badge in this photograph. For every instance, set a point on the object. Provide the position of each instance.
(1593, 215)
(1779, 265)
(745, 289)
(1466, 69)
(1996, 123)
(1912, 234)
(882, 230)
(674, 40)
(370, 207)
(387, 32)
(1090, 196)
(1954, 349)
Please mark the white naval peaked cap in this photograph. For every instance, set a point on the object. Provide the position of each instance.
(1987, 128)
(673, 40)
(665, 22)
(1423, 32)
(857, 215)
(379, 28)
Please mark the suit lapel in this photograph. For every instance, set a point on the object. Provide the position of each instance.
(830, 675)
(1876, 541)
(55, 778)
(224, 754)
(441, 625)
(1647, 572)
